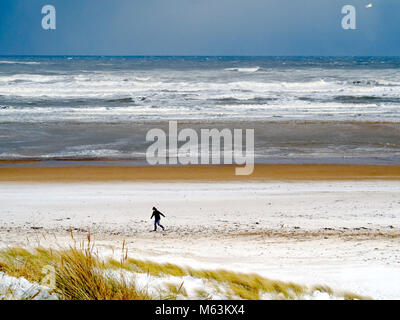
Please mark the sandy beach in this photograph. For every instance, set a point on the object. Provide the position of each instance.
(329, 225)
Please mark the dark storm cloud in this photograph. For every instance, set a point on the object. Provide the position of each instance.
(199, 27)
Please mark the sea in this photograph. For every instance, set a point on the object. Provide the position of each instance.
(303, 109)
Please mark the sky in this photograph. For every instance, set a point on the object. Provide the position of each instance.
(200, 27)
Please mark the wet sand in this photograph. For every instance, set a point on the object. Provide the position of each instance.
(261, 172)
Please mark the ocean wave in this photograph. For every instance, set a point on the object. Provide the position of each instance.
(246, 100)
(19, 62)
(122, 100)
(64, 87)
(35, 78)
(374, 83)
(249, 70)
(142, 78)
(153, 89)
(367, 99)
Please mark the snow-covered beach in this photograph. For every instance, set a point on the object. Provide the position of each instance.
(344, 234)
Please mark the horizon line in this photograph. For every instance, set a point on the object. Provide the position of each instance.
(200, 56)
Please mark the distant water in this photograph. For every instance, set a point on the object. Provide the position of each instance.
(100, 107)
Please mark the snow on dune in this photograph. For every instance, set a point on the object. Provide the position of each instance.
(12, 288)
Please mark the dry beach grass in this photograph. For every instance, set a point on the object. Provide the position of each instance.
(81, 275)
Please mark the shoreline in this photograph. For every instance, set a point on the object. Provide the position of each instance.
(262, 172)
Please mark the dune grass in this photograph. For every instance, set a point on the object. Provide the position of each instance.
(242, 285)
(18, 262)
(81, 275)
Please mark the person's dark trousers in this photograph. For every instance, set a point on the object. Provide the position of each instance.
(157, 222)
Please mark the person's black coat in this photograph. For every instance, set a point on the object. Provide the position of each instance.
(156, 214)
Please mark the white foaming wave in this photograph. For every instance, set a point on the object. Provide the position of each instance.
(19, 62)
(388, 83)
(78, 80)
(142, 78)
(110, 153)
(33, 78)
(289, 111)
(111, 76)
(62, 86)
(258, 86)
(143, 82)
(66, 92)
(249, 70)
(98, 110)
(115, 86)
(10, 156)
(101, 114)
(102, 83)
(293, 107)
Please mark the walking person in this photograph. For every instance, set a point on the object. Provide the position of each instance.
(157, 217)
